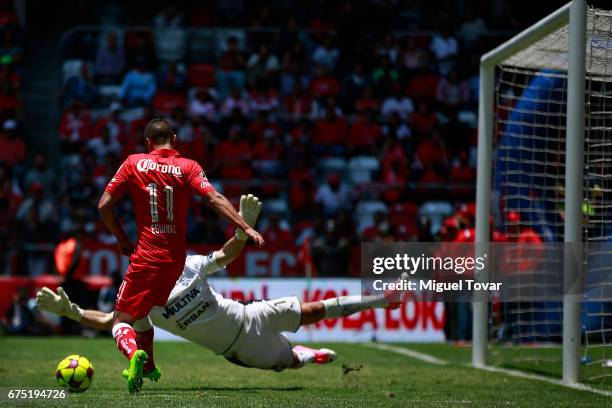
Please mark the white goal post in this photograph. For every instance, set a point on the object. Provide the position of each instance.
(534, 49)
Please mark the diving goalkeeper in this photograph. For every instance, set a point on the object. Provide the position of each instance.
(248, 334)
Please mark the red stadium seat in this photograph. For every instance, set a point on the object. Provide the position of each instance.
(166, 102)
(201, 75)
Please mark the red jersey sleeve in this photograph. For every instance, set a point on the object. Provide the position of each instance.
(119, 183)
(198, 181)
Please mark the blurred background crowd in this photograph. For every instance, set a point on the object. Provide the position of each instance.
(349, 131)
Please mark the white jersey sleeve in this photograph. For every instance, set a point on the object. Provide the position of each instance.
(204, 265)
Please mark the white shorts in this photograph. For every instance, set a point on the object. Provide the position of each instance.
(261, 344)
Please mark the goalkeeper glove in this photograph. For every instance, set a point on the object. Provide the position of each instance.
(250, 207)
(58, 303)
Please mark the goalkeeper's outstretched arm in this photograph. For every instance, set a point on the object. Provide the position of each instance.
(97, 319)
(59, 303)
(250, 207)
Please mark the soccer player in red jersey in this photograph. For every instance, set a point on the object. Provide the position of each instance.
(161, 184)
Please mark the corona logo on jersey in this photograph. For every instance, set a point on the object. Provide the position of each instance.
(145, 165)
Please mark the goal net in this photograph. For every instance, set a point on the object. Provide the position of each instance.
(529, 122)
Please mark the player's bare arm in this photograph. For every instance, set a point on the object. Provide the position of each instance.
(107, 213)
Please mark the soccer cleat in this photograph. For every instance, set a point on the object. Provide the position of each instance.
(321, 356)
(134, 379)
(153, 375)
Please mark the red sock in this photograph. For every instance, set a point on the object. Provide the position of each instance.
(144, 340)
(125, 336)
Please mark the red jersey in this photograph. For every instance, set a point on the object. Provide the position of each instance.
(161, 184)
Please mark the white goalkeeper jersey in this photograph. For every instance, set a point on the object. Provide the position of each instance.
(196, 312)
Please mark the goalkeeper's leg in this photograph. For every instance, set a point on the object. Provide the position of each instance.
(334, 308)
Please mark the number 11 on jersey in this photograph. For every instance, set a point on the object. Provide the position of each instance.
(169, 193)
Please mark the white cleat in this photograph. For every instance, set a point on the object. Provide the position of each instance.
(321, 356)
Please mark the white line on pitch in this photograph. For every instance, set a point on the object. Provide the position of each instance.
(428, 358)
(529, 376)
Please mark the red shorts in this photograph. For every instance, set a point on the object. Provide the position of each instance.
(142, 289)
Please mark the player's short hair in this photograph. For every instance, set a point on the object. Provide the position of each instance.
(158, 131)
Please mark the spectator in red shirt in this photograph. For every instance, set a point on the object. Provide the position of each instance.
(231, 68)
(277, 236)
(234, 155)
(365, 134)
(323, 85)
(113, 123)
(423, 85)
(432, 151)
(9, 75)
(10, 199)
(372, 233)
(393, 151)
(423, 120)
(431, 181)
(331, 133)
(9, 98)
(298, 104)
(267, 155)
(75, 125)
(367, 101)
(462, 173)
(396, 175)
(529, 246)
(301, 200)
(262, 125)
(13, 149)
(165, 102)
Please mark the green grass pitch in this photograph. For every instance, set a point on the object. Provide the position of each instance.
(193, 376)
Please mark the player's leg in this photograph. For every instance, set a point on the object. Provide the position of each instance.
(125, 337)
(334, 308)
(144, 340)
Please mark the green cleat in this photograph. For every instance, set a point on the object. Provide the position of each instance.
(153, 375)
(134, 378)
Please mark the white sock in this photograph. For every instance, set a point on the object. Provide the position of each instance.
(304, 356)
(348, 305)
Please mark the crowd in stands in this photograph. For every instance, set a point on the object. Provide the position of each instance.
(347, 131)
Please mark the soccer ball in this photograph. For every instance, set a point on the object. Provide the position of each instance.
(75, 373)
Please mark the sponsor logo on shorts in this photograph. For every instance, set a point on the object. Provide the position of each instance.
(177, 305)
(146, 165)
